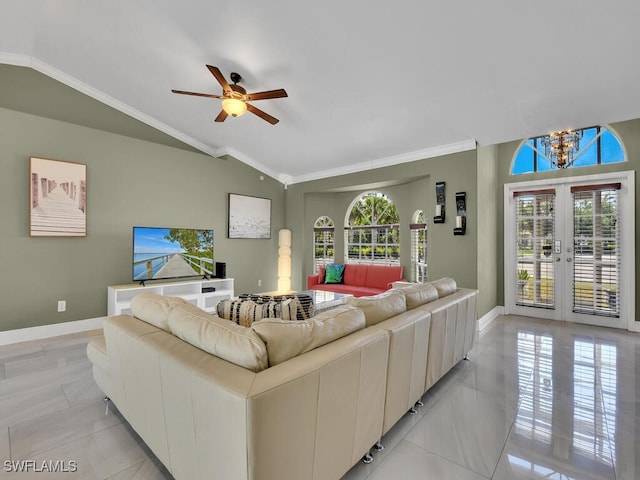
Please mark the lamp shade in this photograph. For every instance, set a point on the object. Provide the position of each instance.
(234, 107)
(284, 260)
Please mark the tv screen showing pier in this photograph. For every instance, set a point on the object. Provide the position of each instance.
(163, 253)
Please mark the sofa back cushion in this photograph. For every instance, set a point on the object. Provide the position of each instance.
(381, 276)
(355, 274)
(417, 294)
(285, 340)
(220, 337)
(380, 307)
(154, 309)
(445, 286)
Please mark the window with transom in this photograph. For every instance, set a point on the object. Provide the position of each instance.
(372, 231)
(597, 146)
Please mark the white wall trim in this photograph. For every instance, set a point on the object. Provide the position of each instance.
(457, 147)
(45, 331)
(23, 60)
(487, 319)
(247, 160)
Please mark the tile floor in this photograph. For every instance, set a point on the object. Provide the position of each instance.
(538, 400)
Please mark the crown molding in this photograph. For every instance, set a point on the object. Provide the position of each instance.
(219, 152)
(46, 69)
(438, 151)
(22, 60)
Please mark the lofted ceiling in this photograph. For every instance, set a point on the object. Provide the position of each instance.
(369, 83)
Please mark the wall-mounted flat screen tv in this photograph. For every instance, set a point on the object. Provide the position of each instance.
(162, 253)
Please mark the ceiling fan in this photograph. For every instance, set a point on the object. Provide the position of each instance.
(235, 98)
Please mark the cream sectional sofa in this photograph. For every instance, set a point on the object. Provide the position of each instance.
(280, 400)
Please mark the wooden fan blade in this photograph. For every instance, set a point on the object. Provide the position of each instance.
(268, 94)
(215, 71)
(221, 116)
(196, 94)
(261, 114)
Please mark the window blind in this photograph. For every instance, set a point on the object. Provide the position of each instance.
(535, 234)
(597, 250)
(418, 252)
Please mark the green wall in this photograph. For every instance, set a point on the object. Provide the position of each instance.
(129, 182)
(411, 186)
(629, 134)
(157, 181)
(488, 271)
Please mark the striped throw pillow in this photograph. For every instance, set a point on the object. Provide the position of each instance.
(242, 312)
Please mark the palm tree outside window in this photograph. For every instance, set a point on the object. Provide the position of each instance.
(372, 231)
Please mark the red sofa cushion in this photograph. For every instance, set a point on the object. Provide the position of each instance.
(380, 276)
(355, 274)
(354, 290)
(321, 273)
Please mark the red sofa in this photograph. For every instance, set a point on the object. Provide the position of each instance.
(359, 280)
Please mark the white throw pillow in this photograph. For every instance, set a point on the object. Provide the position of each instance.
(287, 339)
(220, 337)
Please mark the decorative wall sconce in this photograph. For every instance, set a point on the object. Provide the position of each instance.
(461, 213)
(440, 213)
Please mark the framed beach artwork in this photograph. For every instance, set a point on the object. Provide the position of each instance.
(57, 198)
(249, 217)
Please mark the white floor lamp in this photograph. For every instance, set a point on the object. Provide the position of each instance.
(284, 260)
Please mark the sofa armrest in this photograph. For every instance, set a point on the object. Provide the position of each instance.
(312, 280)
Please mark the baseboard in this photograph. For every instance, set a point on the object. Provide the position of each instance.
(490, 316)
(45, 331)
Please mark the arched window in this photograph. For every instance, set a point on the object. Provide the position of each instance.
(597, 145)
(323, 242)
(372, 230)
(418, 247)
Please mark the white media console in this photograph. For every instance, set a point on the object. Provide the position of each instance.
(197, 292)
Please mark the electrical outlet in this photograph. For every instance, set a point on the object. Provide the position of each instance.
(62, 305)
(259, 283)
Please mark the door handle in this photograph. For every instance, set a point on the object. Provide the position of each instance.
(558, 259)
(569, 259)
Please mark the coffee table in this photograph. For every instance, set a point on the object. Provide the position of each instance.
(324, 301)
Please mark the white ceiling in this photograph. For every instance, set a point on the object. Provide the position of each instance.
(369, 82)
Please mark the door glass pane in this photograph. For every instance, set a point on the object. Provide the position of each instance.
(596, 246)
(535, 224)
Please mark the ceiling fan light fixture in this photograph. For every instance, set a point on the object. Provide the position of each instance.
(234, 107)
(234, 97)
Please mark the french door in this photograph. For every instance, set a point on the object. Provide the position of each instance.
(569, 250)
